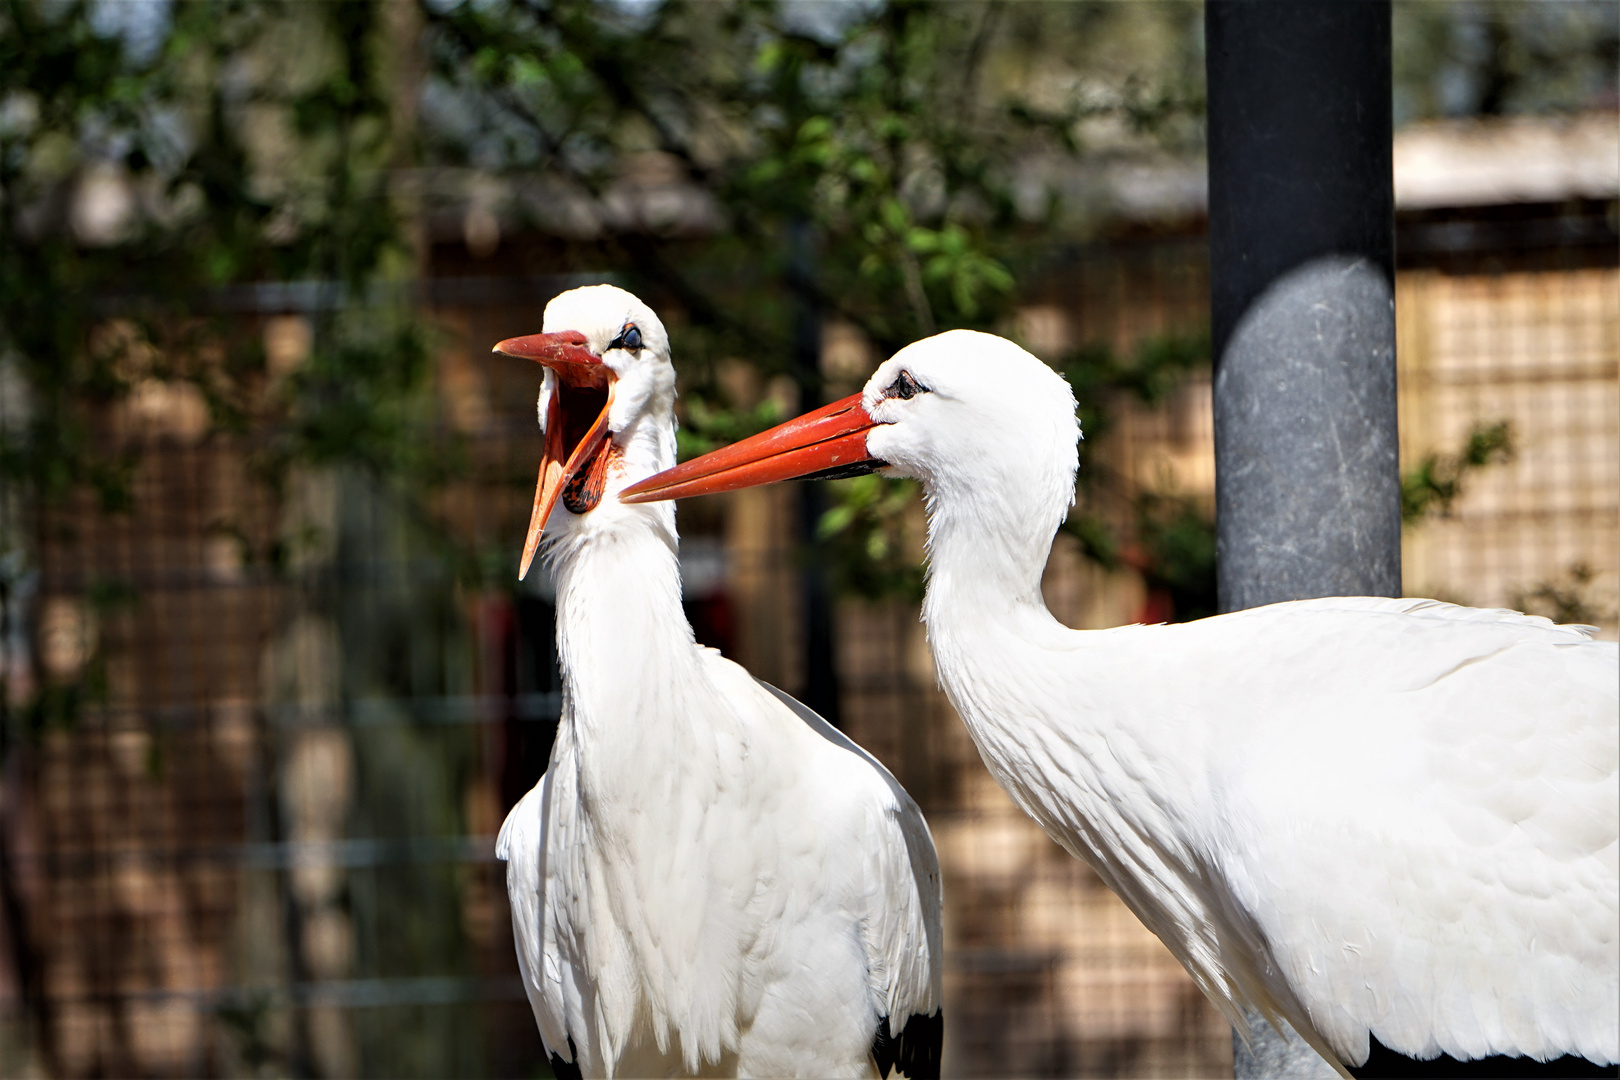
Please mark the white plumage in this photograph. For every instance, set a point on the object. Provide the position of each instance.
(709, 879)
(1364, 816)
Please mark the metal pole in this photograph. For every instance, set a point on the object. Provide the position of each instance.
(1301, 210)
(820, 690)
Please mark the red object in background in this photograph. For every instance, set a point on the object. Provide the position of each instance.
(1159, 607)
(712, 622)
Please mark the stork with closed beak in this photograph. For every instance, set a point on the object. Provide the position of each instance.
(709, 879)
(1390, 820)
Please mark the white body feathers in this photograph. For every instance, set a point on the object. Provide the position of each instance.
(1385, 816)
(708, 878)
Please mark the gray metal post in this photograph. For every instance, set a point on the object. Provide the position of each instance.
(1301, 210)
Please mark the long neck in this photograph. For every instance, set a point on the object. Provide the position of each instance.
(618, 576)
(988, 626)
(622, 638)
(977, 569)
(1070, 723)
(1032, 692)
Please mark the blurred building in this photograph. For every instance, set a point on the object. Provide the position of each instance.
(254, 853)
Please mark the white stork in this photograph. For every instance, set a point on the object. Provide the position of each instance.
(709, 879)
(1373, 818)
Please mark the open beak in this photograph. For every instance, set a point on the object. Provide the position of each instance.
(574, 463)
(825, 444)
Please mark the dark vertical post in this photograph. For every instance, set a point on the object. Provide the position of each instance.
(1301, 219)
(820, 690)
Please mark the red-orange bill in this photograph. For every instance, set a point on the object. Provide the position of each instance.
(576, 426)
(565, 347)
(830, 441)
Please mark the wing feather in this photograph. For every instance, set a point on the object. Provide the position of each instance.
(903, 903)
(521, 845)
(1429, 841)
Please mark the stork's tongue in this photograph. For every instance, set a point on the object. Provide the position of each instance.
(573, 465)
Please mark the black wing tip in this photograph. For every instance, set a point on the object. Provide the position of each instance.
(566, 1070)
(1383, 1062)
(915, 1051)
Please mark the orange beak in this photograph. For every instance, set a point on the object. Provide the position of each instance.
(573, 465)
(822, 445)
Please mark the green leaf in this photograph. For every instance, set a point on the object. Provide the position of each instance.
(815, 129)
(922, 241)
(892, 212)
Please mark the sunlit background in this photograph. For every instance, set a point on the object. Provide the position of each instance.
(269, 682)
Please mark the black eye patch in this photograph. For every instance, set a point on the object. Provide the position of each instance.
(905, 387)
(629, 338)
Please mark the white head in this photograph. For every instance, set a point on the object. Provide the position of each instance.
(607, 404)
(979, 421)
(989, 430)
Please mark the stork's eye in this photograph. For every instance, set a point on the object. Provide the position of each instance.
(629, 338)
(905, 387)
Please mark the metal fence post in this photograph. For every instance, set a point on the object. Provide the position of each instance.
(820, 689)
(1302, 307)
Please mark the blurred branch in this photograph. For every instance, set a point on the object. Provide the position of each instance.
(1436, 482)
(1566, 600)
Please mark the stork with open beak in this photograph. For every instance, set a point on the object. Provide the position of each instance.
(709, 879)
(1391, 823)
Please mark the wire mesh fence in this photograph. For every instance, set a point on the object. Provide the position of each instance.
(1536, 351)
(247, 827)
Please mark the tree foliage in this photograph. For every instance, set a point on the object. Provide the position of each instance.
(868, 162)
(889, 138)
(1504, 57)
(894, 166)
(144, 176)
